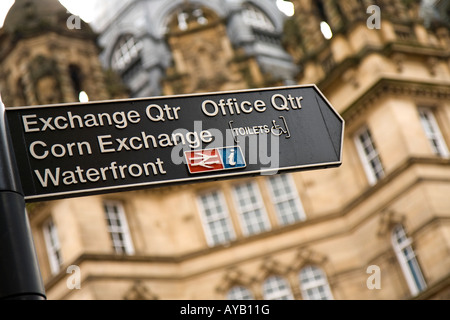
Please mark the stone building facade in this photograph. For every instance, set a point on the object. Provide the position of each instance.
(163, 47)
(374, 228)
(43, 61)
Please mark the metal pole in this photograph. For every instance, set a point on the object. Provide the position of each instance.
(20, 277)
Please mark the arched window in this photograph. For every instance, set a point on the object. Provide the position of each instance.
(321, 10)
(126, 53)
(239, 293)
(77, 83)
(76, 77)
(184, 17)
(314, 284)
(325, 26)
(22, 93)
(257, 19)
(407, 259)
(277, 288)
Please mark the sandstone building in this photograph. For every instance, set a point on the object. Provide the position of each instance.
(324, 234)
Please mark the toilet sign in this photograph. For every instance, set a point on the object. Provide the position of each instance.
(78, 149)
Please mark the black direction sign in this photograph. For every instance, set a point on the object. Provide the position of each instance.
(79, 149)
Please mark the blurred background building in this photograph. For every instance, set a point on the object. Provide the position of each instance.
(375, 228)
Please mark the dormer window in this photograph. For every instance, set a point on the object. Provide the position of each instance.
(186, 16)
(126, 53)
(256, 19)
(325, 27)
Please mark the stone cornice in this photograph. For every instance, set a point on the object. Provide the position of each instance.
(396, 87)
(10, 42)
(337, 214)
(234, 274)
(388, 50)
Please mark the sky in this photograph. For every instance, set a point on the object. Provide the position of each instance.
(86, 8)
(5, 5)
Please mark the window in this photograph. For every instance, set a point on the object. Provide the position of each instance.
(285, 198)
(126, 53)
(324, 23)
(256, 18)
(328, 63)
(277, 288)
(314, 284)
(251, 209)
(21, 93)
(404, 33)
(369, 156)
(118, 227)
(77, 79)
(216, 221)
(77, 83)
(53, 246)
(239, 293)
(183, 18)
(433, 133)
(407, 260)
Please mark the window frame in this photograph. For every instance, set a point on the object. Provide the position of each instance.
(127, 247)
(244, 211)
(282, 288)
(256, 18)
(406, 257)
(206, 220)
(433, 132)
(124, 54)
(292, 196)
(372, 175)
(239, 292)
(316, 278)
(52, 245)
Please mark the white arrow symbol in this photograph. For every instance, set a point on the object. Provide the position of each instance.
(205, 160)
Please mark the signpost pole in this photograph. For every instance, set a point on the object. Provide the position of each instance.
(20, 277)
